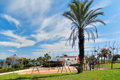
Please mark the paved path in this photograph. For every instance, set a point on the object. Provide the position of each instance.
(15, 71)
(47, 70)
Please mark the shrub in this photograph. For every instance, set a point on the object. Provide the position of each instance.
(52, 64)
(17, 65)
(0, 67)
(28, 65)
(74, 65)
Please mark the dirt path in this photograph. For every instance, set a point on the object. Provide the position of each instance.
(49, 71)
(53, 70)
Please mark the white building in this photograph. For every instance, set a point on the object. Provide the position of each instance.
(69, 60)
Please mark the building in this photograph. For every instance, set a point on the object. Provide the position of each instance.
(67, 60)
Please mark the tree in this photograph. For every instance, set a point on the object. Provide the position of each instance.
(9, 61)
(46, 57)
(100, 56)
(83, 20)
(33, 61)
(2, 63)
(40, 60)
(26, 61)
(65, 55)
(115, 57)
(105, 53)
(92, 57)
(20, 60)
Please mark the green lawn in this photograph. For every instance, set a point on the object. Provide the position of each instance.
(86, 75)
(109, 65)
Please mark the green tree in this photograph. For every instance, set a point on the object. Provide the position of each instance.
(9, 61)
(83, 20)
(40, 60)
(47, 57)
(26, 61)
(105, 53)
(92, 57)
(20, 60)
(2, 63)
(33, 61)
(100, 56)
(65, 55)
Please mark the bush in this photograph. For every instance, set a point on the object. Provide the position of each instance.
(0, 67)
(74, 65)
(118, 61)
(28, 65)
(52, 64)
(17, 65)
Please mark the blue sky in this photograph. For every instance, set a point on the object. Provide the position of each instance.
(31, 28)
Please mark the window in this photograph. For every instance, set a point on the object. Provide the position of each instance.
(68, 59)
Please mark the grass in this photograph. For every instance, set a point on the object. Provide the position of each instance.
(86, 75)
(109, 66)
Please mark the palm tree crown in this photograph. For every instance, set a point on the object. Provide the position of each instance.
(82, 18)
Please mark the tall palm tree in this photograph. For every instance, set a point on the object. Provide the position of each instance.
(83, 20)
(47, 57)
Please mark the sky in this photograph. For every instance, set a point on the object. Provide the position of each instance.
(31, 28)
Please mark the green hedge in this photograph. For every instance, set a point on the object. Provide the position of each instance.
(52, 64)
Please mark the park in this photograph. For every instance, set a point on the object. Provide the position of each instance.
(59, 40)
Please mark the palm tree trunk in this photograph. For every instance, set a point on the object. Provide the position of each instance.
(104, 60)
(81, 50)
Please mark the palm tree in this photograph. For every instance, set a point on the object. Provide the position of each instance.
(83, 20)
(47, 57)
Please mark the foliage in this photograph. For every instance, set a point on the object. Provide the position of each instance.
(20, 60)
(40, 60)
(47, 57)
(82, 17)
(115, 57)
(26, 61)
(17, 65)
(106, 53)
(8, 61)
(65, 55)
(2, 63)
(52, 64)
(92, 57)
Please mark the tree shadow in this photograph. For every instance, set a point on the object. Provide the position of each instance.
(44, 76)
(116, 68)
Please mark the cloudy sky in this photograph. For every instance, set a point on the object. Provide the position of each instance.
(31, 28)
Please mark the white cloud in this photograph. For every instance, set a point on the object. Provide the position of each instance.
(3, 55)
(11, 19)
(59, 48)
(53, 49)
(17, 41)
(102, 4)
(53, 27)
(32, 10)
(12, 51)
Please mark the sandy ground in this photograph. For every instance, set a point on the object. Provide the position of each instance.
(52, 70)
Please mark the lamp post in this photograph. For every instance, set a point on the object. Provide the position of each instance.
(13, 61)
